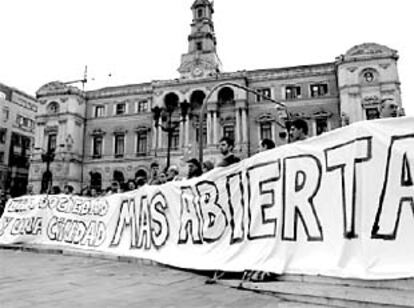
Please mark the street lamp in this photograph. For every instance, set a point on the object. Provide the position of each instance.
(165, 113)
(204, 107)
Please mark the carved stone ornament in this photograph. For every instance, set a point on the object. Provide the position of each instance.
(322, 114)
(227, 120)
(185, 90)
(98, 132)
(57, 88)
(352, 69)
(370, 100)
(368, 50)
(107, 169)
(129, 168)
(265, 117)
(64, 99)
(51, 129)
(142, 129)
(120, 130)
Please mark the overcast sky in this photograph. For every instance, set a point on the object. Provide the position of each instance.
(134, 41)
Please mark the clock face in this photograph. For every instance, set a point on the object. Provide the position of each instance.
(197, 71)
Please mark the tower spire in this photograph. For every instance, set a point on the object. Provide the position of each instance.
(201, 60)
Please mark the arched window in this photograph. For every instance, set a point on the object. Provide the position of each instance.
(369, 76)
(53, 107)
(199, 13)
(196, 99)
(226, 96)
(171, 101)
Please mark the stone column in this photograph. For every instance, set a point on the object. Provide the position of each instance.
(208, 127)
(154, 137)
(273, 123)
(244, 125)
(182, 132)
(39, 135)
(159, 137)
(187, 131)
(237, 128)
(215, 127)
(313, 130)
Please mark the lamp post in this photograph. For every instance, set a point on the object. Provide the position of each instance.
(165, 113)
(204, 106)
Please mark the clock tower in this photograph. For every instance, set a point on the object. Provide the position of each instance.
(201, 60)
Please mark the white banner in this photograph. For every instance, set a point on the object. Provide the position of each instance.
(340, 205)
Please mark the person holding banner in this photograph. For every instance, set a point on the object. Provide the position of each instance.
(298, 130)
(226, 147)
(388, 108)
(194, 168)
(266, 144)
(155, 167)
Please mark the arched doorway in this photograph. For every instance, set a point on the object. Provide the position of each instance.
(141, 173)
(47, 180)
(96, 180)
(118, 177)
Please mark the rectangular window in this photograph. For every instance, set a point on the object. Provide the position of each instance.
(319, 89)
(6, 114)
(263, 91)
(51, 142)
(204, 135)
(228, 131)
(142, 143)
(200, 13)
(266, 130)
(3, 133)
(175, 139)
(1, 157)
(292, 92)
(199, 46)
(372, 113)
(99, 111)
(97, 147)
(321, 126)
(25, 145)
(120, 109)
(119, 145)
(142, 106)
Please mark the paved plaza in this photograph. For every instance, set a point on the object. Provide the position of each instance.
(30, 279)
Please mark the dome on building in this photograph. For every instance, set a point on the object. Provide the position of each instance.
(57, 87)
(370, 50)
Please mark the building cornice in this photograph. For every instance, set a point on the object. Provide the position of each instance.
(292, 72)
(57, 116)
(125, 90)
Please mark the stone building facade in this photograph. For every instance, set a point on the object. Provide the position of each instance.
(111, 134)
(17, 125)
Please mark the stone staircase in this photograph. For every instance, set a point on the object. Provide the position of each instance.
(335, 292)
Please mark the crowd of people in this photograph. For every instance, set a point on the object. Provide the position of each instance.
(298, 130)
